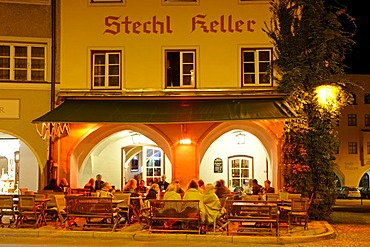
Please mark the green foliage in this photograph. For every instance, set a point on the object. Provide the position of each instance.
(310, 46)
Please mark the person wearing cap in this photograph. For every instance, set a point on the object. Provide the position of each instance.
(163, 184)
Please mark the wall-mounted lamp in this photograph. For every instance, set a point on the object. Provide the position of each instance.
(17, 157)
(185, 140)
(136, 138)
(240, 138)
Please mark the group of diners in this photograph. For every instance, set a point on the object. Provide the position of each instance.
(209, 194)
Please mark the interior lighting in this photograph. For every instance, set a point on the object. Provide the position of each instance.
(136, 138)
(185, 140)
(240, 138)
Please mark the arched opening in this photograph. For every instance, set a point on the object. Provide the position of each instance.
(236, 157)
(119, 156)
(365, 182)
(18, 165)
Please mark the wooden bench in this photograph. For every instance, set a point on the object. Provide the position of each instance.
(97, 211)
(175, 216)
(252, 217)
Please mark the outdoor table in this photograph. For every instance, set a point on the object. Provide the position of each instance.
(42, 203)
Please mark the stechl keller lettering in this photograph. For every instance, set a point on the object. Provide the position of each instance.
(153, 26)
(224, 24)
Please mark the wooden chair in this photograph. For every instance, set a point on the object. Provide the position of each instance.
(60, 202)
(28, 211)
(51, 206)
(23, 190)
(7, 209)
(299, 212)
(124, 207)
(294, 196)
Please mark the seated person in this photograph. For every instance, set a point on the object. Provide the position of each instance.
(141, 189)
(90, 185)
(212, 204)
(193, 194)
(172, 207)
(152, 192)
(106, 190)
(256, 188)
(221, 189)
(268, 188)
(53, 186)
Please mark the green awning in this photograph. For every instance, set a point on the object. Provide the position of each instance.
(166, 111)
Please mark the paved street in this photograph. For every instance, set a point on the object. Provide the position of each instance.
(352, 229)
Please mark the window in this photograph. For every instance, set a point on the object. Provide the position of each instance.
(367, 98)
(256, 65)
(180, 69)
(240, 170)
(40, 2)
(352, 119)
(153, 162)
(179, 1)
(368, 147)
(352, 147)
(354, 101)
(107, 1)
(367, 119)
(22, 62)
(106, 72)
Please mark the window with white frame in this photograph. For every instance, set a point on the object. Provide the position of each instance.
(106, 71)
(23, 62)
(180, 68)
(256, 65)
(153, 164)
(240, 171)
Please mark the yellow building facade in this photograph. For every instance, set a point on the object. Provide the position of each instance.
(151, 87)
(166, 70)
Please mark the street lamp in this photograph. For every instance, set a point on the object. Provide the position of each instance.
(327, 96)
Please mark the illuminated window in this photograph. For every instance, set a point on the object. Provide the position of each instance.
(240, 171)
(352, 120)
(106, 70)
(256, 65)
(180, 69)
(154, 164)
(22, 62)
(352, 147)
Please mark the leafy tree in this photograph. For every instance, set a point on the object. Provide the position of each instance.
(310, 46)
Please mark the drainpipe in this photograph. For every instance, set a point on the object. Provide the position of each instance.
(52, 83)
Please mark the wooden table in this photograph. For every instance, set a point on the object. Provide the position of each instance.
(252, 217)
(42, 203)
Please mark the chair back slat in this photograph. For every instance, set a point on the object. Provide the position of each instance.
(6, 202)
(299, 204)
(26, 203)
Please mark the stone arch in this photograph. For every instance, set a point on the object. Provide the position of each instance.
(267, 131)
(86, 143)
(340, 175)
